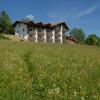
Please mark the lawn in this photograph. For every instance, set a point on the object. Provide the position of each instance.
(37, 71)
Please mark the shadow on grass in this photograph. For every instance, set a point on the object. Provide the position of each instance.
(28, 63)
(38, 91)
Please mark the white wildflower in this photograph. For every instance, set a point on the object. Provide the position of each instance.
(75, 93)
(57, 90)
(82, 98)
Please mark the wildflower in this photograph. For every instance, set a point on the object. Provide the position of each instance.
(57, 90)
(82, 98)
(75, 93)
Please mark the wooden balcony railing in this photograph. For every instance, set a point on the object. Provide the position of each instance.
(40, 36)
(31, 38)
(49, 34)
(58, 40)
(57, 35)
(40, 33)
(32, 33)
(40, 39)
(49, 39)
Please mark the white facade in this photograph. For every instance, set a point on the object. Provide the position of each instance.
(21, 30)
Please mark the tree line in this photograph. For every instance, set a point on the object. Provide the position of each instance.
(91, 39)
(6, 26)
(6, 23)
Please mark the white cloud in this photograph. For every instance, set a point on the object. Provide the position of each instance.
(30, 16)
(60, 18)
(53, 16)
(87, 11)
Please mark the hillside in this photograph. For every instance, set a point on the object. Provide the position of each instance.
(34, 71)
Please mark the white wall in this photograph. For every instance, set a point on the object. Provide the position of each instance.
(19, 30)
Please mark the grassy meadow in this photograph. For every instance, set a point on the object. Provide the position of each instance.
(36, 71)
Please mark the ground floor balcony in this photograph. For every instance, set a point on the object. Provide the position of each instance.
(49, 40)
(57, 40)
(32, 33)
(50, 34)
(32, 39)
(40, 39)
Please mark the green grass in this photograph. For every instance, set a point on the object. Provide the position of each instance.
(36, 71)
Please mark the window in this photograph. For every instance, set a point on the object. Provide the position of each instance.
(17, 31)
(56, 32)
(39, 36)
(39, 30)
(30, 29)
(48, 31)
(48, 36)
(23, 30)
(19, 25)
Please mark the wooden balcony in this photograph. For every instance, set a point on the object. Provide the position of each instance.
(49, 40)
(40, 39)
(57, 36)
(40, 34)
(49, 34)
(32, 33)
(40, 31)
(57, 40)
(31, 39)
(57, 31)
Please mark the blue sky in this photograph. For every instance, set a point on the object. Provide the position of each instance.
(83, 14)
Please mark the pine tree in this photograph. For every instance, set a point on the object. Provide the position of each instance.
(5, 23)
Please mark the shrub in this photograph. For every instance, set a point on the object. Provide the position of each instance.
(3, 37)
(92, 39)
(78, 34)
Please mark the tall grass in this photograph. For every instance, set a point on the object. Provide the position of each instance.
(36, 71)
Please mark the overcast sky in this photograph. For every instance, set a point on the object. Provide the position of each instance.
(83, 14)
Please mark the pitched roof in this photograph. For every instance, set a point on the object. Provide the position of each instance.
(71, 38)
(59, 23)
(50, 25)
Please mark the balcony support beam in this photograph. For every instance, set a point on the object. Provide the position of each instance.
(36, 35)
(45, 36)
(61, 33)
(53, 37)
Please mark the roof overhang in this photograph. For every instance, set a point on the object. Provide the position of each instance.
(40, 24)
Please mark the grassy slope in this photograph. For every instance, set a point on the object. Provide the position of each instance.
(30, 71)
